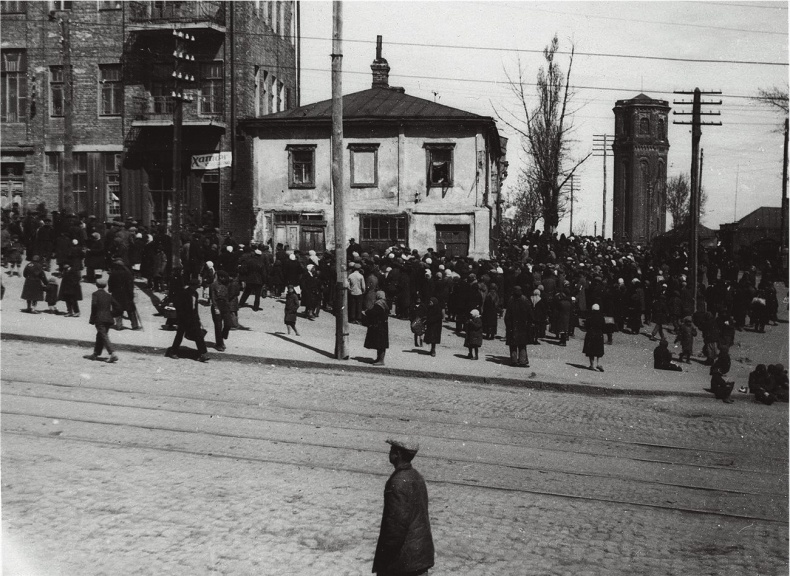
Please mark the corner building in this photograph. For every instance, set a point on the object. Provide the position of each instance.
(415, 172)
(241, 63)
(640, 169)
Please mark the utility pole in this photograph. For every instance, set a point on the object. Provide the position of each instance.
(67, 206)
(696, 132)
(784, 222)
(181, 75)
(601, 143)
(341, 286)
(572, 180)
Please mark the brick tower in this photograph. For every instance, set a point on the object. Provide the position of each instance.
(640, 169)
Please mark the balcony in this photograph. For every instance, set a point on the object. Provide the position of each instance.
(159, 15)
(153, 111)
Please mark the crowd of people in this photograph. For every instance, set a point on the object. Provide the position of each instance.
(546, 285)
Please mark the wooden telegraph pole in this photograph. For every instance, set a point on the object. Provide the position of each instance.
(181, 76)
(696, 132)
(601, 143)
(341, 286)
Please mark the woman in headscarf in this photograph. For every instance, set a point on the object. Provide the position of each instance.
(376, 319)
(433, 324)
(474, 333)
(490, 313)
(593, 340)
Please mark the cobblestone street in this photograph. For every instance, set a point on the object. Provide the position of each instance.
(166, 466)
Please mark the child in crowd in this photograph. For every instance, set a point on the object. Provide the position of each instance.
(14, 256)
(291, 307)
(474, 333)
(51, 295)
(685, 335)
(718, 385)
(417, 314)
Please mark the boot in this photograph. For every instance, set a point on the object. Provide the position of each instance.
(119, 323)
(380, 358)
(563, 339)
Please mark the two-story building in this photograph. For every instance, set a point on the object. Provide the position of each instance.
(416, 172)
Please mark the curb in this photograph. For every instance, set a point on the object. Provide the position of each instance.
(399, 372)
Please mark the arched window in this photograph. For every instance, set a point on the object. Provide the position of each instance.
(644, 126)
(661, 133)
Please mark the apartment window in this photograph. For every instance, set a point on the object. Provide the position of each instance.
(280, 96)
(379, 231)
(12, 7)
(440, 164)
(111, 5)
(364, 165)
(161, 87)
(211, 86)
(54, 162)
(272, 95)
(644, 126)
(111, 89)
(265, 94)
(60, 5)
(80, 182)
(56, 90)
(257, 94)
(14, 86)
(301, 169)
(112, 177)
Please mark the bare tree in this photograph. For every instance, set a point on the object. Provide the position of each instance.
(774, 97)
(678, 196)
(545, 133)
(527, 202)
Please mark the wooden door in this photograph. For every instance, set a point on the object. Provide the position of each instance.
(453, 239)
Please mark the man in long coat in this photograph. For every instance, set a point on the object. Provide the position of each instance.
(405, 544)
(517, 327)
(121, 286)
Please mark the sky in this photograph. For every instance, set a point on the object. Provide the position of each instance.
(461, 53)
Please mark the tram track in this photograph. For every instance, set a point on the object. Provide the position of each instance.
(456, 459)
(341, 468)
(616, 443)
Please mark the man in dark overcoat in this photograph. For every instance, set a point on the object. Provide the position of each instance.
(517, 327)
(405, 544)
(188, 320)
(251, 272)
(121, 286)
(104, 309)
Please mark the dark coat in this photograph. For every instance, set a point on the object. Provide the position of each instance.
(70, 288)
(121, 285)
(377, 321)
(104, 308)
(561, 319)
(433, 324)
(517, 321)
(187, 313)
(405, 542)
(593, 339)
(490, 315)
(371, 287)
(94, 255)
(35, 280)
(474, 333)
(251, 269)
(291, 307)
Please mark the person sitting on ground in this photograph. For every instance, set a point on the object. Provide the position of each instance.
(662, 358)
(718, 385)
(778, 375)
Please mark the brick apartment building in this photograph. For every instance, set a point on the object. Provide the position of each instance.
(237, 59)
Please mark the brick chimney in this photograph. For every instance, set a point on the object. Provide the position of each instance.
(380, 67)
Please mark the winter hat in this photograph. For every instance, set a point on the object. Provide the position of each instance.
(229, 248)
(475, 313)
(292, 256)
(596, 307)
